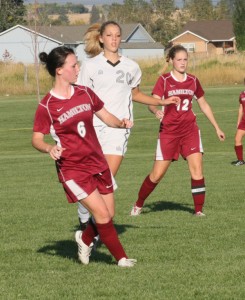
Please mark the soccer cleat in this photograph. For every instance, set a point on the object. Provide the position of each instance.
(238, 163)
(84, 251)
(126, 262)
(136, 211)
(199, 214)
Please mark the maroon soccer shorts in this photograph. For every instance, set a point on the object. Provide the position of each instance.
(79, 188)
(169, 148)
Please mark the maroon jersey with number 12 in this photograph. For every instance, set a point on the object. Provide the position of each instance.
(178, 120)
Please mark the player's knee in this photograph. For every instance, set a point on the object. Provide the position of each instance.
(156, 177)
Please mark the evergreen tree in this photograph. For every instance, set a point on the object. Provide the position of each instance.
(11, 13)
(95, 15)
(239, 23)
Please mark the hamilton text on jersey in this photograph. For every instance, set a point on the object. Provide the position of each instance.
(74, 111)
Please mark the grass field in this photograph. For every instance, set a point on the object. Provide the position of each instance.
(179, 256)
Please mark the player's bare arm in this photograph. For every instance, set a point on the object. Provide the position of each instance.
(38, 142)
(112, 121)
(138, 96)
(159, 113)
(206, 109)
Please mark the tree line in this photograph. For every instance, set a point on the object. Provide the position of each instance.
(162, 19)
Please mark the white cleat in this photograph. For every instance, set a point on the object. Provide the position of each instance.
(126, 262)
(199, 214)
(136, 211)
(84, 251)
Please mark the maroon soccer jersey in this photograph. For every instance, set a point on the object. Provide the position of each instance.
(178, 120)
(241, 125)
(70, 123)
(242, 101)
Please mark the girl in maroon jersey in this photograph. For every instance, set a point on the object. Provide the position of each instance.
(179, 133)
(66, 113)
(240, 131)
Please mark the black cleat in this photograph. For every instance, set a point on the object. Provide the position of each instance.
(238, 163)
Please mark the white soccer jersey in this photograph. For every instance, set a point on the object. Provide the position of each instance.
(113, 83)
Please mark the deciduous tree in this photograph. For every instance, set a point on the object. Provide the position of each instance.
(200, 9)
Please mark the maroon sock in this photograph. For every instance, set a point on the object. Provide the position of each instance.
(198, 193)
(147, 187)
(239, 152)
(89, 233)
(109, 237)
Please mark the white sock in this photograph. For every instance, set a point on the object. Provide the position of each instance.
(83, 213)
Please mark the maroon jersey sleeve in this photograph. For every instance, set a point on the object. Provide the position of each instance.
(199, 90)
(159, 87)
(42, 121)
(242, 97)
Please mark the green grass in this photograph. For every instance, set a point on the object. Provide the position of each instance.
(179, 256)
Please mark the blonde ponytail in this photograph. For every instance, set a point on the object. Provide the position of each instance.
(93, 46)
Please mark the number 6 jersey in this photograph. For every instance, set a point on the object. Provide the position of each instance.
(70, 123)
(178, 120)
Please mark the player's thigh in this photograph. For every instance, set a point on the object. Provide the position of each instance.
(195, 165)
(97, 206)
(114, 162)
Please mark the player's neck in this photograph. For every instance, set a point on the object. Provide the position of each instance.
(179, 75)
(63, 90)
(112, 56)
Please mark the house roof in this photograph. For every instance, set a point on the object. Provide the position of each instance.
(31, 30)
(210, 30)
(74, 34)
(141, 46)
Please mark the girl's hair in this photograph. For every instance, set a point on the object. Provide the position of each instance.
(171, 55)
(93, 46)
(55, 59)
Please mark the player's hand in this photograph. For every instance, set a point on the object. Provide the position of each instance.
(56, 152)
(159, 114)
(220, 135)
(126, 123)
(172, 100)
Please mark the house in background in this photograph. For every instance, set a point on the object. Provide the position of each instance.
(20, 41)
(209, 37)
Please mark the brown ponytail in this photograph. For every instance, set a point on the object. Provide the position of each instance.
(171, 55)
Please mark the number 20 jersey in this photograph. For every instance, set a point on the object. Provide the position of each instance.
(178, 120)
(70, 123)
(113, 83)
